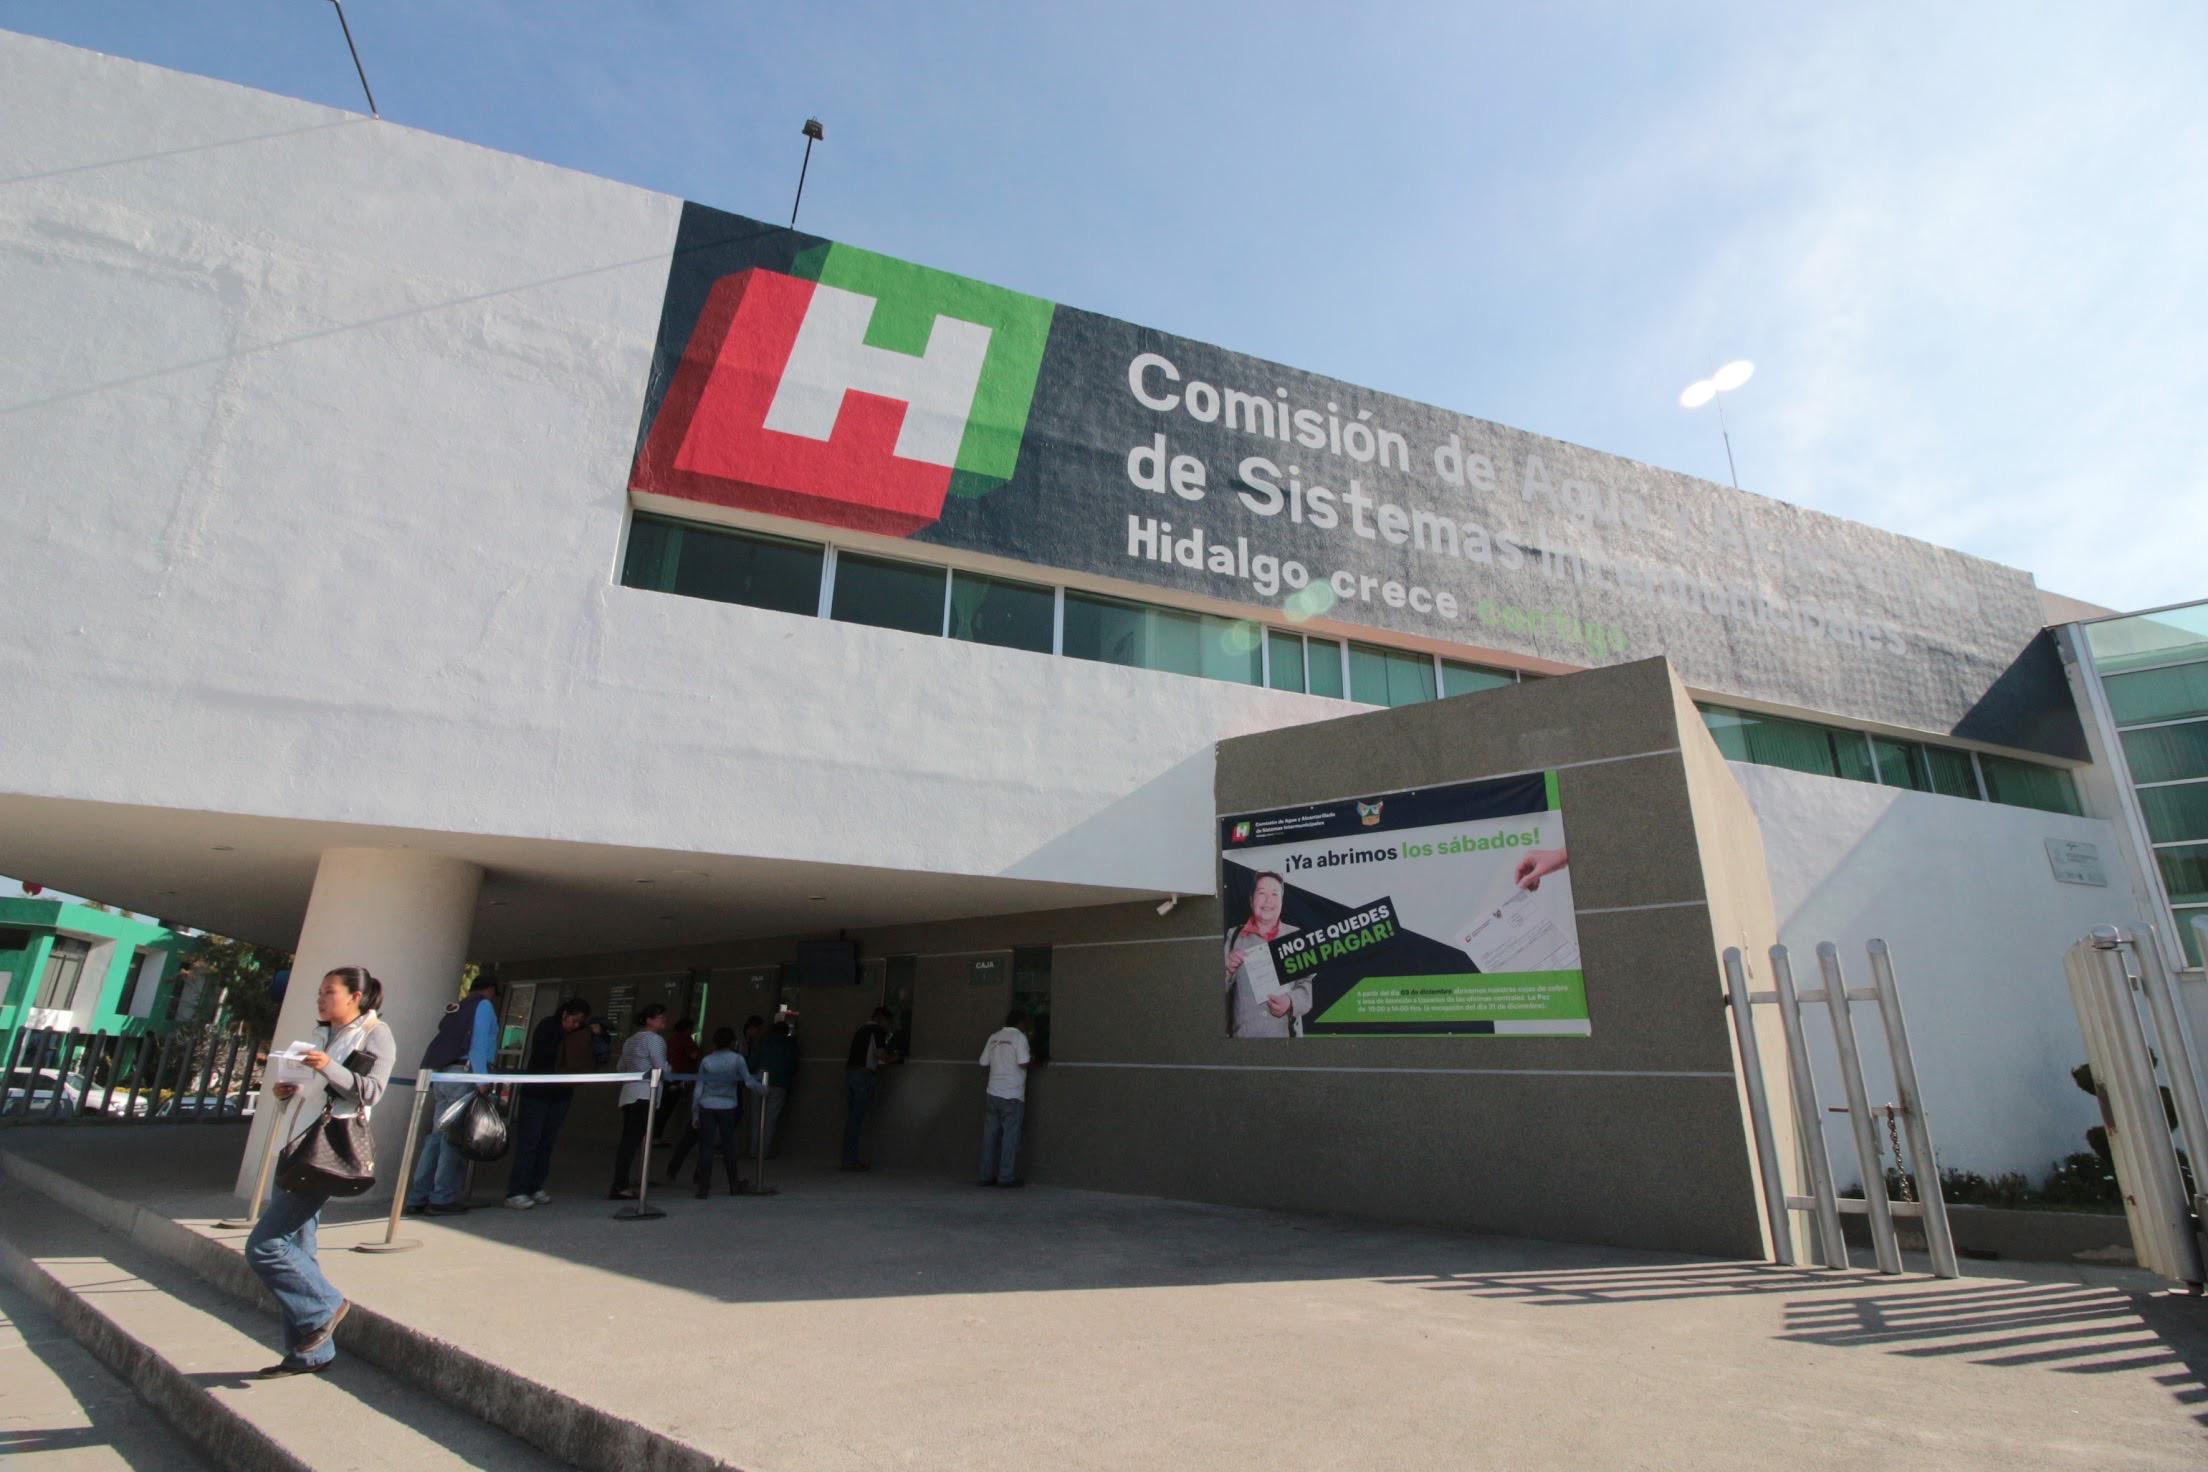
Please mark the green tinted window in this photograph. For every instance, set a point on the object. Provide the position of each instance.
(725, 566)
(1470, 679)
(1389, 676)
(1952, 772)
(2190, 934)
(2185, 873)
(2167, 753)
(2158, 695)
(888, 595)
(1323, 667)
(1009, 615)
(1902, 764)
(1284, 661)
(2149, 638)
(2029, 785)
(2175, 814)
(1799, 746)
(1166, 639)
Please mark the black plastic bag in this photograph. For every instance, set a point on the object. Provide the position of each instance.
(478, 1129)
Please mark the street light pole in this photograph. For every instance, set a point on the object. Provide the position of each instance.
(1715, 387)
(813, 134)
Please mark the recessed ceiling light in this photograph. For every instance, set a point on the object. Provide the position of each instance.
(642, 881)
(496, 904)
(666, 917)
(816, 896)
(223, 848)
(168, 891)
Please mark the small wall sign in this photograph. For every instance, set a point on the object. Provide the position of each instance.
(2076, 863)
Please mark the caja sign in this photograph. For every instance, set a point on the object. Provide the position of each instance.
(807, 380)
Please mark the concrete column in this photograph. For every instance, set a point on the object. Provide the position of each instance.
(406, 916)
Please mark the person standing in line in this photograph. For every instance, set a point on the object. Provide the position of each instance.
(560, 1044)
(645, 1050)
(466, 1041)
(862, 1067)
(776, 1061)
(1008, 1058)
(723, 1080)
(683, 1054)
(351, 1067)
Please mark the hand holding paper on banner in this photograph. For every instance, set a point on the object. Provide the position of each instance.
(1520, 934)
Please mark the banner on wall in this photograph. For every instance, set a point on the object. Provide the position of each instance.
(804, 379)
(1437, 910)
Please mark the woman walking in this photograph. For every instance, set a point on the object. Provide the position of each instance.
(351, 1067)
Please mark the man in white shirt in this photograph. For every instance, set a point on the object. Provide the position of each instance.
(1007, 1057)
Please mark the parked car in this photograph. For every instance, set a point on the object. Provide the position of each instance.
(31, 1091)
(193, 1107)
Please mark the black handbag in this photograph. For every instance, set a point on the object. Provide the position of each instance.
(336, 1156)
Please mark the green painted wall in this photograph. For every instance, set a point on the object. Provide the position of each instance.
(115, 938)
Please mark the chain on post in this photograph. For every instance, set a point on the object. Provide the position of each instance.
(1893, 1133)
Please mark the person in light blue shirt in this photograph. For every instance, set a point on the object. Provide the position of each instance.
(723, 1076)
(466, 1041)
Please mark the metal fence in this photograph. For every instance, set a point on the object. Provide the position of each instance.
(190, 1076)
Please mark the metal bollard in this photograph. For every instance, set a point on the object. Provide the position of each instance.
(392, 1241)
(1759, 1108)
(641, 1209)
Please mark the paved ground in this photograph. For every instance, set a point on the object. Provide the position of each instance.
(903, 1321)
(61, 1411)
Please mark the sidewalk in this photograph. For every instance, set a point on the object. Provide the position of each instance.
(857, 1322)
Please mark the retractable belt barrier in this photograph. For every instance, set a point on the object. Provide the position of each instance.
(638, 1210)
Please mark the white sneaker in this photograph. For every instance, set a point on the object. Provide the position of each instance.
(521, 1203)
(542, 1198)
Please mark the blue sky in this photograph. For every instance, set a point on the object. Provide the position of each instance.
(1966, 245)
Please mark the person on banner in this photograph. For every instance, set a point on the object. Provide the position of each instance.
(349, 1069)
(559, 1044)
(1259, 1004)
(723, 1080)
(645, 1051)
(862, 1067)
(466, 1041)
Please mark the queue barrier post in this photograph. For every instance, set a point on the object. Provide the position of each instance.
(641, 1209)
(281, 1132)
(392, 1241)
(759, 1186)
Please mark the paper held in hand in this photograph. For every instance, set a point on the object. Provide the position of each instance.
(290, 1064)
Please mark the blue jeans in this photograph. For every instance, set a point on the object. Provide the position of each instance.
(281, 1253)
(718, 1130)
(536, 1131)
(440, 1170)
(858, 1094)
(1000, 1137)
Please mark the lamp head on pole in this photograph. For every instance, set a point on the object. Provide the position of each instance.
(812, 130)
(1723, 381)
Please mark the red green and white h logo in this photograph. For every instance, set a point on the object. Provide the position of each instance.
(860, 392)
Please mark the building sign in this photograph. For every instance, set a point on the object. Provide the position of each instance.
(803, 379)
(986, 971)
(1440, 910)
(2075, 862)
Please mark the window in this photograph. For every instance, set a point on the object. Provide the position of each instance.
(1953, 775)
(888, 595)
(995, 611)
(2167, 753)
(1284, 661)
(1799, 746)
(1114, 631)
(64, 964)
(1470, 679)
(1389, 676)
(1902, 764)
(1031, 994)
(1322, 666)
(2188, 933)
(2185, 873)
(898, 977)
(15, 940)
(2030, 785)
(725, 566)
(2175, 814)
(2158, 695)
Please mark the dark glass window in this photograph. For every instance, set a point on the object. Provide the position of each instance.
(1389, 676)
(1799, 746)
(2189, 933)
(987, 610)
(64, 964)
(1470, 679)
(2030, 785)
(2185, 873)
(725, 566)
(2158, 695)
(888, 595)
(1284, 661)
(1031, 994)
(1168, 639)
(2167, 753)
(1952, 772)
(900, 977)
(2175, 814)
(1902, 764)
(1323, 667)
